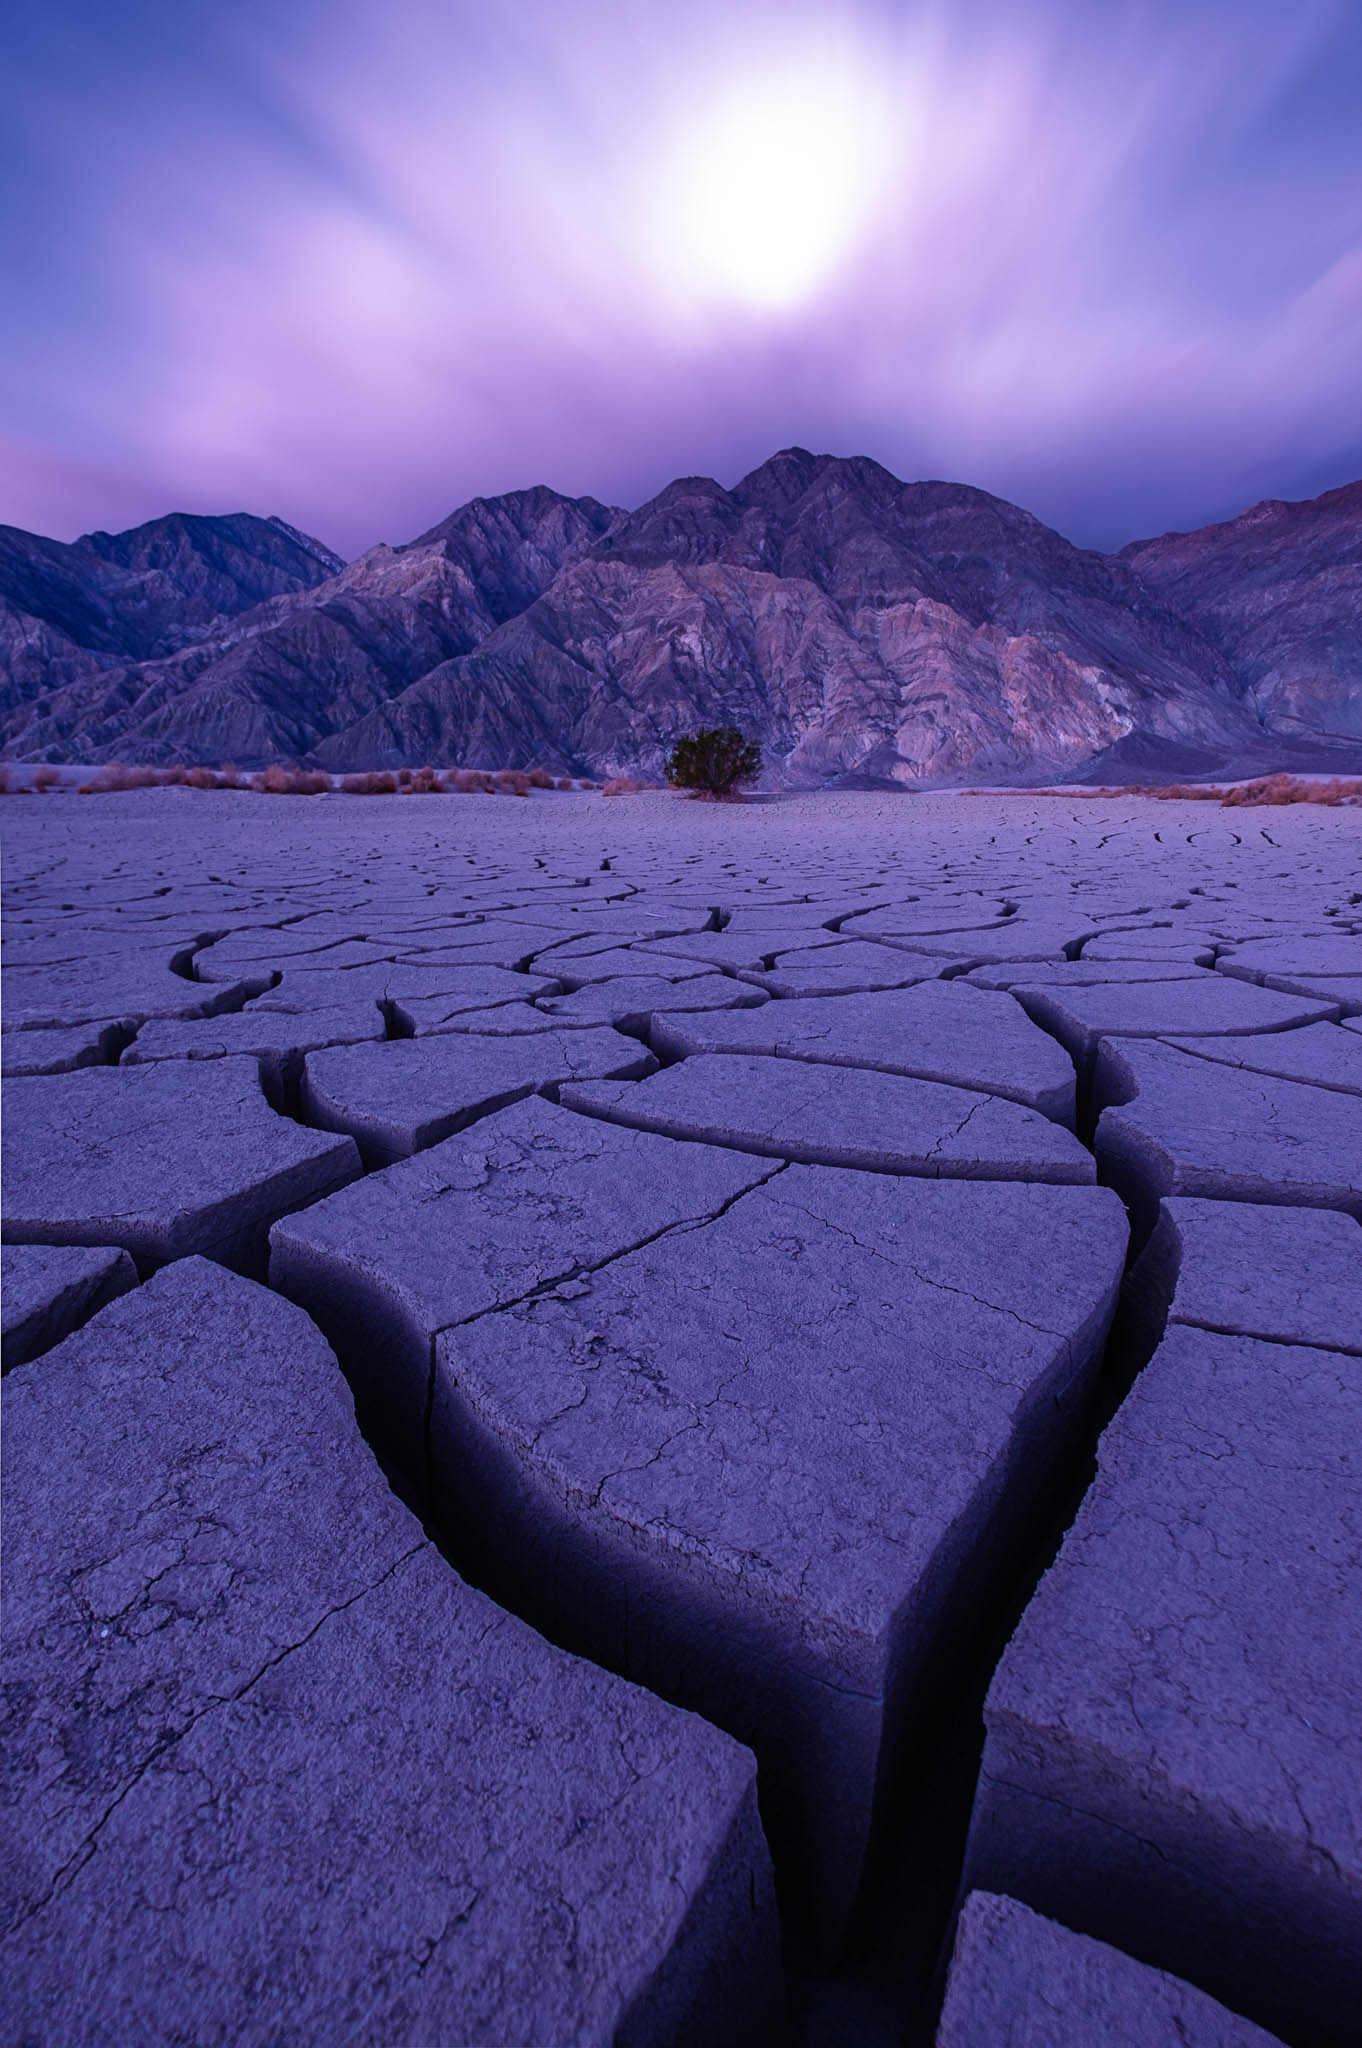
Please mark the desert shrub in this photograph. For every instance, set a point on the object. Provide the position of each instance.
(514, 781)
(199, 778)
(420, 782)
(45, 778)
(539, 778)
(370, 782)
(587, 783)
(1267, 789)
(118, 775)
(4, 780)
(1291, 789)
(564, 782)
(713, 762)
(277, 780)
(624, 785)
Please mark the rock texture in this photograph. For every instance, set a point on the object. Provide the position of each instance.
(857, 626)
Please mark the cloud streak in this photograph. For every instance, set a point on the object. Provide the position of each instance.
(355, 264)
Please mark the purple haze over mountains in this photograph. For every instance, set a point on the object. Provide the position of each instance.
(354, 265)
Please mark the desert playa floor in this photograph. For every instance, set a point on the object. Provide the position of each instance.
(642, 1422)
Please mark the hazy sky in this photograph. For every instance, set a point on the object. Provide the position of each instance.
(359, 261)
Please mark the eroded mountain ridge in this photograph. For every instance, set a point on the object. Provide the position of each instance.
(860, 627)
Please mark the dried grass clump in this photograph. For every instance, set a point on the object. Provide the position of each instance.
(564, 782)
(1266, 789)
(1289, 789)
(621, 785)
(277, 780)
(370, 782)
(420, 782)
(119, 775)
(1343, 789)
(512, 781)
(539, 778)
(45, 778)
(469, 782)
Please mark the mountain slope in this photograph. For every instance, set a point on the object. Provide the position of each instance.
(285, 675)
(1278, 592)
(68, 610)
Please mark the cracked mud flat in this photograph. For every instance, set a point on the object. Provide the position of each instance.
(658, 1423)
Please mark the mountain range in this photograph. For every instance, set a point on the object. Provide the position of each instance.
(864, 630)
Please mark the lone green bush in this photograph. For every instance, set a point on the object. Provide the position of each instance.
(713, 762)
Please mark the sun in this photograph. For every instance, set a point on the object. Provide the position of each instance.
(774, 185)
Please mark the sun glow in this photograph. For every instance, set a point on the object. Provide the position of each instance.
(775, 185)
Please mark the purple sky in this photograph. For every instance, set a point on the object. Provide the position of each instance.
(359, 261)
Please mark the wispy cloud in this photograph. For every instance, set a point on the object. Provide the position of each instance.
(354, 264)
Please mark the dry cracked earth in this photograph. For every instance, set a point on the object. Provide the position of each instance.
(655, 1424)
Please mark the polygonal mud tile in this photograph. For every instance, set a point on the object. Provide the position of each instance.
(226, 962)
(1177, 1124)
(1344, 991)
(1311, 958)
(525, 1199)
(1174, 1755)
(56, 998)
(1293, 1275)
(403, 986)
(574, 970)
(398, 1098)
(276, 1773)
(735, 949)
(1024, 1981)
(1136, 946)
(1021, 939)
(767, 1466)
(96, 1044)
(50, 1290)
(163, 1160)
(852, 969)
(630, 1000)
(936, 1031)
(886, 1123)
(1319, 1054)
(275, 1039)
(1078, 1018)
(1062, 974)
